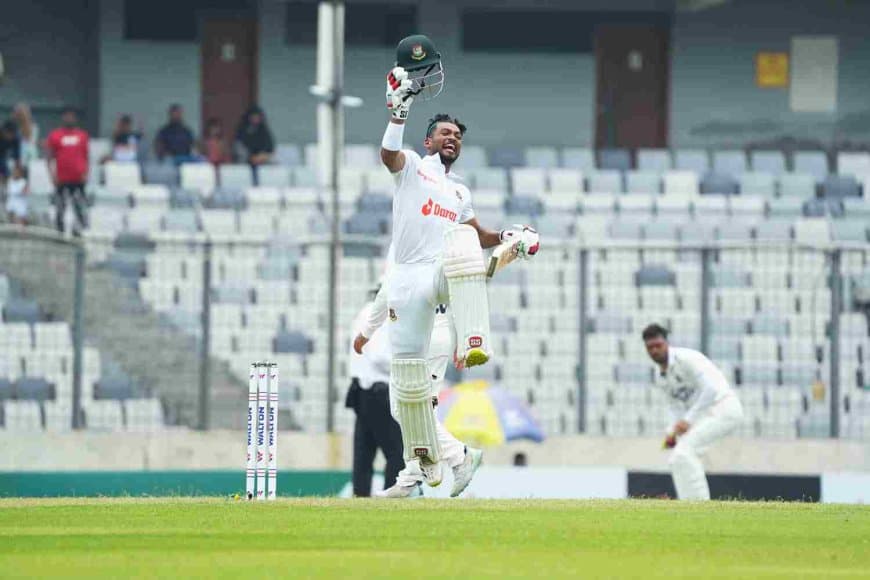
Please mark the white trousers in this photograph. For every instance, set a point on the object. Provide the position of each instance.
(419, 328)
(721, 420)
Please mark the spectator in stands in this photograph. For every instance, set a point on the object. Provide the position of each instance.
(175, 139)
(214, 143)
(16, 196)
(28, 133)
(254, 136)
(125, 141)
(10, 149)
(68, 157)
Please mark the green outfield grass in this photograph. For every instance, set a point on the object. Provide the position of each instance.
(148, 538)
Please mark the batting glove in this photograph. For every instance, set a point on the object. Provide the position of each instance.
(531, 241)
(399, 97)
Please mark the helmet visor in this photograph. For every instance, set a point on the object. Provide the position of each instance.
(427, 82)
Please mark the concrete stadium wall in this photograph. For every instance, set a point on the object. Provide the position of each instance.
(182, 449)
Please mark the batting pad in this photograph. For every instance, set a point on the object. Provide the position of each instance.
(413, 391)
(466, 283)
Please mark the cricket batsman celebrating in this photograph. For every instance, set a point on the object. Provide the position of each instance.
(703, 405)
(438, 246)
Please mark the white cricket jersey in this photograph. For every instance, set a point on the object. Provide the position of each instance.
(373, 365)
(692, 383)
(428, 200)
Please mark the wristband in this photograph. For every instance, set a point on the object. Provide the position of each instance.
(393, 137)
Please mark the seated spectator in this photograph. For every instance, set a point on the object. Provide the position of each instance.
(125, 141)
(17, 191)
(175, 139)
(255, 137)
(28, 133)
(10, 149)
(214, 144)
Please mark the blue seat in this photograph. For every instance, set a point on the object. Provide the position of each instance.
(618, 159)
(813, 162)
(226, 198)
(114, 387)
(504, 156)
(578, 158)
(375, 203)
(832, 207)
(7, 390)
(655, 275)
(128, 265)
(695, 160)
(21, 310)
(730, 162)
(719, 183)
(291, 341)
(183, 198)
(33, 389)
(841, 186)
(611, 323)
(366, 223)
(634, 373)
(524, 205)
(725, 277)
(772, 162)
(160, 174)
(231, 294)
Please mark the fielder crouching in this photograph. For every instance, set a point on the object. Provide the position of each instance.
(704, 408)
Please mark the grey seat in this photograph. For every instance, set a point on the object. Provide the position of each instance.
(524, 205)
(857, 208)
(291, 341)
(128, 265)
(735, 231)
(769, 161)
(729, 162)
(724, 349)
(656, 160)
(813, 162)
(841, 186)
(759, 373)
(774, 230)
(544, 157)
(698, 232)
(181, 220)
(797, 185)
(504, 156)
(634, 372)
(557, 225)
(231, 294)
(757, 183)
(366, 223)
(21, 310)
(727, 326)
(578, 158)
(605, 181)
(276, 269)
(624, 229)
(770, 325)
(725, 277)
(643, 182)
(660, 229)
(832, 207)
(160, 174)
(502, 323)
(183, 198)
(618, 159)
(288, 154)
(695, 160)
(799, 374)
(33, 389)
(116, 387)
(490, 178)
(7, 389)
(719, 183)
(375, 203)
(786, 207)
(655, 275)
(849, 230)
(611, 323)
(226, 198)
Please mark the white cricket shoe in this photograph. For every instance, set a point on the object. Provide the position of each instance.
(432, 473)
(463, 472)
(400, 492)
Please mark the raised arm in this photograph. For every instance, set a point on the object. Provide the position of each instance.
(399, 100)
(394, 160)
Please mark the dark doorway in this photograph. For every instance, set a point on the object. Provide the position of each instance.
(632, 86)
(229, 70)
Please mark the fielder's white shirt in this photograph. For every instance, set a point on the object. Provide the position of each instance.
(692, 383)
(373, 365)
(428, 200)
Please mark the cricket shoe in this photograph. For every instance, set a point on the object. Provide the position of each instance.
(401, 492)
(463, 472)
(432, 472)
(475, 357)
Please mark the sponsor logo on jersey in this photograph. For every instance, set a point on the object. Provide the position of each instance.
(475, 341)
(431, 208)
(425, 177)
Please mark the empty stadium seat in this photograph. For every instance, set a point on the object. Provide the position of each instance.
(840, 186)
(580, 158)
(855, 164)
(849, 230)
(273, 176)
(541, 157)
(719, 183)
(730, 162)
(695, 160)
(772, 162)
(681, 182)
(122, 176)
(287, 154)
(527, 181)
(615, 159)
(814, 163)
(507, 156)
(758, 183)
(291, 342)
(642, 182)
(161, 174)
(604, 181)
(492, 179)
(235, 176)
(655, 160)
(198, 177)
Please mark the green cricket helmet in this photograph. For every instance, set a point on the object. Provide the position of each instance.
(418, 56)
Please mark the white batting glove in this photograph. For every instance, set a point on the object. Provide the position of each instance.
(531, 241)
(399, 96)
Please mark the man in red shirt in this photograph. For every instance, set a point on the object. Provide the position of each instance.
(67, 153)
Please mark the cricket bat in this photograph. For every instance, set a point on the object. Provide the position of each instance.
(503, 255)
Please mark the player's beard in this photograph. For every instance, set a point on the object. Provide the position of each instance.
(445, 160)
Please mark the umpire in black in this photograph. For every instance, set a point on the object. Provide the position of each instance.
(369, 397)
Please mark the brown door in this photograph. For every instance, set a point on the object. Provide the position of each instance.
(229, 71)
(632, 79)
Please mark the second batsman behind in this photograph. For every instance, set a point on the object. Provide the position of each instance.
(704, 409)
(438, 252)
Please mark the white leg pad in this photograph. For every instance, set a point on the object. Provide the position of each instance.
(415, 413)
(465, 272)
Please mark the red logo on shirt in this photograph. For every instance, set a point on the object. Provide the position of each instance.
(434, 208)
